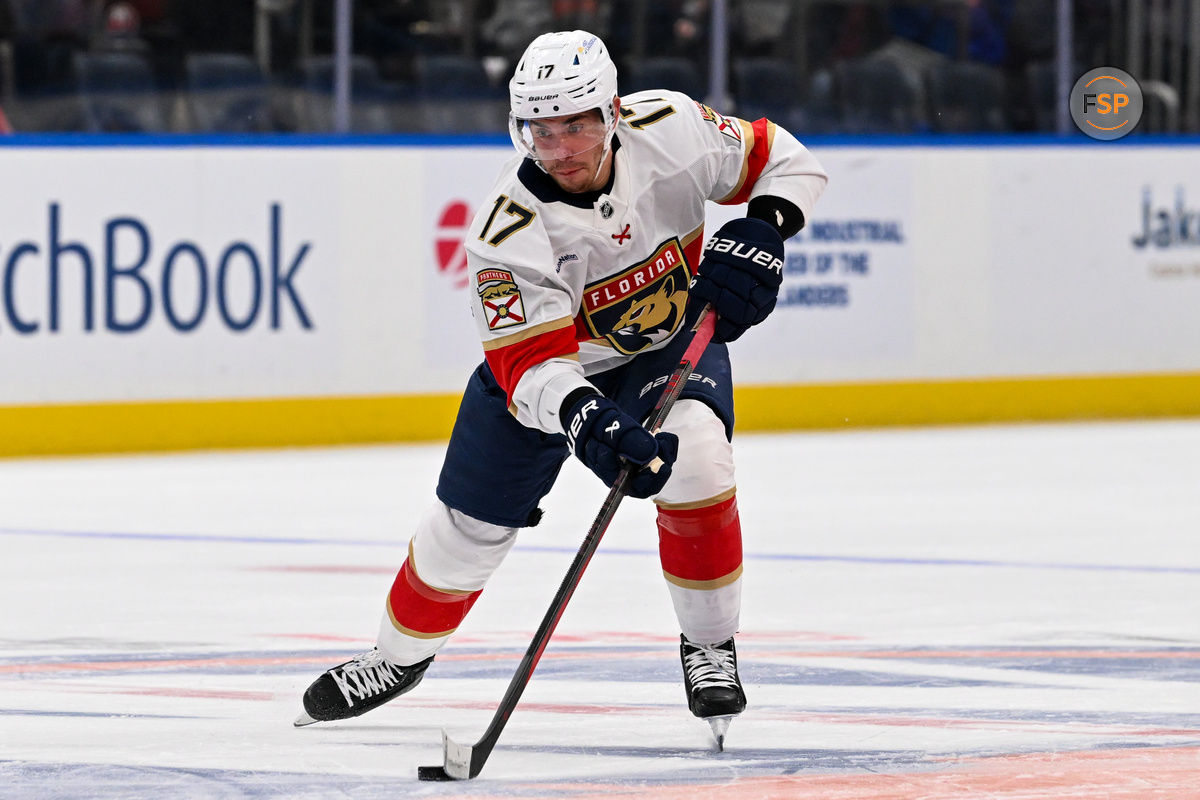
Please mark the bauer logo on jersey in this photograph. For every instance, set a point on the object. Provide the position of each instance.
(501, 298)
(643, 305)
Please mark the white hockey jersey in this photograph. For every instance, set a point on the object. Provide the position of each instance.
(568, 285)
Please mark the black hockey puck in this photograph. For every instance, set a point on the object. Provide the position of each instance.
(433, 774)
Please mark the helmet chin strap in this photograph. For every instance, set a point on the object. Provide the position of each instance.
(612, 129)
(603, 157)
(608, 137)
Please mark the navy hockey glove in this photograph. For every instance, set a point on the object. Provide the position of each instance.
(739, 275)
(603, 436)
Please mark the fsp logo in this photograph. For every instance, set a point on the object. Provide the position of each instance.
(1106, 103)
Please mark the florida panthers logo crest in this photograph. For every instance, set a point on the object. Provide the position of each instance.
(502, 307)
(643, 305)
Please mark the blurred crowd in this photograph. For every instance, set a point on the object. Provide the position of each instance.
(826, 66)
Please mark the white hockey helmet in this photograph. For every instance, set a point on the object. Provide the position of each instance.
(559, 74)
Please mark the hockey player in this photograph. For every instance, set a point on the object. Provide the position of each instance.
(585, 259)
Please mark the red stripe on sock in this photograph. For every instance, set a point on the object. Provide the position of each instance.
(700, 544)
(419, 607)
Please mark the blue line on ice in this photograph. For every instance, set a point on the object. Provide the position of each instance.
(881, 560)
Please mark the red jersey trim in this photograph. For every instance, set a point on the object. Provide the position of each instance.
(693, 249)
(511, 357)
(758, 138)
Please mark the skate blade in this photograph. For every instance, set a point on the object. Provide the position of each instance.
(304, 719)
(719, 726)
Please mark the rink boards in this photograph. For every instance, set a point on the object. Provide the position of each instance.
(168, 293)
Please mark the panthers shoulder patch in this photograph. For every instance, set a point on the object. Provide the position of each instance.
(501, 298)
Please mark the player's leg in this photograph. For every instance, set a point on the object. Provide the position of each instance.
(494, 474)
(700, 546)
(700, 542)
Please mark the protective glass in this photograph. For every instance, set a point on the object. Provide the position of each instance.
(556, 140)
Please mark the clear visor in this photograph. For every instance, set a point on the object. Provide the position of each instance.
(548, 140)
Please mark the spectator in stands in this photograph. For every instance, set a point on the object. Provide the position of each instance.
(691, 28)
(215, 26)
(8, 30)
(8, 21)
(936, 26)
(52, 18)
(120, 29)
(760, 28)
(48, 33)
(394, 33)
(653, 26)
(587, 15)
(513, 24)
(845, 30)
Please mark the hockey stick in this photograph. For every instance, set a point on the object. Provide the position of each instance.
(462, 762)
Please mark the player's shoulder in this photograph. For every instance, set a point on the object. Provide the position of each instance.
(509, 222)
(641, 110)
(676, 120)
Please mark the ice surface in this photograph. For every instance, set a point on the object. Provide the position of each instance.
(994, 612)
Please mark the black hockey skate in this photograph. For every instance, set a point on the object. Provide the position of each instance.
(710, 678)
(364, 682)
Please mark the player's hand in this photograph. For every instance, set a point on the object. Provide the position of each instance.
(739, 275)
(603, 437)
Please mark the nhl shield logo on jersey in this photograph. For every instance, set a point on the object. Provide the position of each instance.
(644, 304)
(501, 298)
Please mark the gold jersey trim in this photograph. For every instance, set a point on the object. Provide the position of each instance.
(711, 501)
(529, 333)
(704, 586)
(412, 564)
